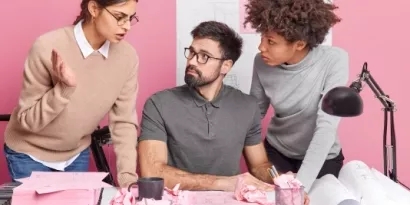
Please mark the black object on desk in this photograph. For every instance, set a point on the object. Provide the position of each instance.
(6, 192)
(346, 102)
(149, 188)
(100, 137)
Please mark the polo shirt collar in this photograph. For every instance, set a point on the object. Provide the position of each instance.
(200, 101)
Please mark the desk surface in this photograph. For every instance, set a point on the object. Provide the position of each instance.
(109, 193)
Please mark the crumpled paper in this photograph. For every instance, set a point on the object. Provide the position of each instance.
(124, 197)
(243, 192)
(175, 191)
(249, 193)
(287, 181)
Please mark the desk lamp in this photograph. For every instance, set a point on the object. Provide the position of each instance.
(346, 102)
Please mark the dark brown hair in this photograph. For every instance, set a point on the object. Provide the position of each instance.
(85, 14)
(307, 20)
(229, 41)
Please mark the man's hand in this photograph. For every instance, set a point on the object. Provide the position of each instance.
(62, 71)
(229, 184)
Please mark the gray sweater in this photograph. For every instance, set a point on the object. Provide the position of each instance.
(300, 129)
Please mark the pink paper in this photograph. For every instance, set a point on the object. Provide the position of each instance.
(180, 197)
(123, 197)
(242, 15)
(60, 188)
(249, 193)
(287, 181)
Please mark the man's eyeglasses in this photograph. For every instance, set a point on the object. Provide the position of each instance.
(122, 20)
(201, 58)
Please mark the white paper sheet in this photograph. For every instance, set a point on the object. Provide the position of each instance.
(329, 191)
(392, 188)
(357, 177)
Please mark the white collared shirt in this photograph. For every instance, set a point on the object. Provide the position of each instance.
(85, 46)
(86, 50)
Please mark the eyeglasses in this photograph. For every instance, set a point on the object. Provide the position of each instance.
(122, 20)
(201, 58)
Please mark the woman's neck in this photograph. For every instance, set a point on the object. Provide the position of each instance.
(299, 56)
(92, 36)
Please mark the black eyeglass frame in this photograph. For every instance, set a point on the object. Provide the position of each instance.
(187, 51)
(125, 19)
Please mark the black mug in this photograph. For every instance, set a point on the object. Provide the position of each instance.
(149, 188)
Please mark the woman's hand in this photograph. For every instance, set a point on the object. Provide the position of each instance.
(307, 200)
(62, 71)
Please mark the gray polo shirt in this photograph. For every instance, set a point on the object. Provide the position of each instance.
(202, 137)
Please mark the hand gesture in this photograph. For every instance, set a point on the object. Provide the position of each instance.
(62, 71)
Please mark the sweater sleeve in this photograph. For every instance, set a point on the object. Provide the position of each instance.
(326, 125)
(40, 101)
(257, 89)
(123, 126)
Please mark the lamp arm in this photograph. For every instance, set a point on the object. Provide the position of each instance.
(389, 151)
(368, 78)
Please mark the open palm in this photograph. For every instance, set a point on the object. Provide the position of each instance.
(62, 71)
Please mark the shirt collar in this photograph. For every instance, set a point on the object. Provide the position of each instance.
(85, 47)
(200, 101)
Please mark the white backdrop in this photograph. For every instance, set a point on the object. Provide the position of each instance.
(192, 12)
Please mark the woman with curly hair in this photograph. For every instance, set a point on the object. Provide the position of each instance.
(292, 72)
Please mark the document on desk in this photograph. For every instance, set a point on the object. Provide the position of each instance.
(398, 192)
(60, 188)
(356, 183)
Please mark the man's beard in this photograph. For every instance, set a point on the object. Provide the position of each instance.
(199, 81)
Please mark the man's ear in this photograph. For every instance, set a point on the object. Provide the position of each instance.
(226, 66)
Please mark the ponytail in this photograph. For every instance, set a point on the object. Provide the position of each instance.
(84, 12)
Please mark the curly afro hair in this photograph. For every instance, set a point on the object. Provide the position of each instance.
(306, 20)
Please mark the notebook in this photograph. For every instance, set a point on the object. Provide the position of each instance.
(358, 184)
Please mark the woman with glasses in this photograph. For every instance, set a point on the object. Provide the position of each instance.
(73, 77)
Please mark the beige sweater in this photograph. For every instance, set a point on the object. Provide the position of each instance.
(53, 122)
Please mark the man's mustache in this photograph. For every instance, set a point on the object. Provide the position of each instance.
(193, 68)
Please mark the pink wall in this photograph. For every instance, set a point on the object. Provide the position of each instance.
(375, 31)
(371, 31)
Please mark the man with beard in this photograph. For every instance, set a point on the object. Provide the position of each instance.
(195, 134)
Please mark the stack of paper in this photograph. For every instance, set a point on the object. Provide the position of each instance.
(60, 188)
(360, 183)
